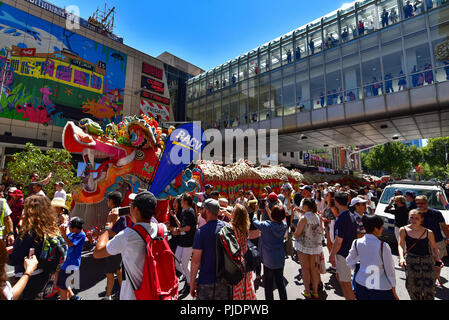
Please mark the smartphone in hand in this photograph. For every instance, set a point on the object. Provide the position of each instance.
(31, 253)
(124, 211)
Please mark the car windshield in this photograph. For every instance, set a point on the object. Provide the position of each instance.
(432, 196)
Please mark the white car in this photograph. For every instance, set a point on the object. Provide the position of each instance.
(430, 189)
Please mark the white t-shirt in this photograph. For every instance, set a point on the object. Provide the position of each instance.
(60, 194)
(7, 208)
(130, 245)
(7, 291)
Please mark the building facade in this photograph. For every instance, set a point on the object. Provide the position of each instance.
(364, 49)
(51, 73)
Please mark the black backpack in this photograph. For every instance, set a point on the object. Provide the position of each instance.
(231, 266)
(252, 257)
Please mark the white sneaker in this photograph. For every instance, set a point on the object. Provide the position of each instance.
(107, 298)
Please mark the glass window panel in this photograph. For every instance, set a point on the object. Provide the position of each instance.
(393, 63)
(276, 96)
(391, 34)
(439, 16)
(418, 59)
(388, 12)
(348, 27)
(203, 87)
(288, 71)
(302, 86)
(196, 89)
(189, 112)
(414, 25)
(243, 69)
(369, 42)
(234, 73)
(331, 35)
(264, 62)
(275, 57)
(216, 114)
(317, 82)
(288, 94)
(264, 103)
(243, 108)
(438, 36)
(253, 66)
(349, 49)
(435, 3)
(217, 80)
(287, 52)
(315, 41)
(276, 75)
(202, 112)
(351, 74)
(253, 82)
(243, 85)
(225, 76)
(234, 111)
(210, 84)
(333, 84)
(301, 47)
(368, 20)
(371, 72)
(332, 55)
(253, 99)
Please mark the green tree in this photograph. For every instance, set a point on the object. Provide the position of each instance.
(394, 158)
(32, 159)
(434, 155)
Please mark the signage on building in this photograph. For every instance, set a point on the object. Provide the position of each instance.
(101, 65)
(82, 64)
(49, 7)
(155, 97)
(152, 85)
(442, 51)
(31, 52)
(154, 110)
(152, 71)
(306, 156)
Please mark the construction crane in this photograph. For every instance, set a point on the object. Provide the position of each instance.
(104, 19)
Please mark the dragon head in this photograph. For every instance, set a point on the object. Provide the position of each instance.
(128, 150)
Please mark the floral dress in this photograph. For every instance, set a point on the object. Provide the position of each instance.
(239, 289)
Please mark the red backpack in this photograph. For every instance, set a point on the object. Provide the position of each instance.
(159, 281)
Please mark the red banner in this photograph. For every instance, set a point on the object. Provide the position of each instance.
(31, 52)
(152, 71)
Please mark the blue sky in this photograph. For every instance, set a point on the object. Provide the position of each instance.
(206, 33)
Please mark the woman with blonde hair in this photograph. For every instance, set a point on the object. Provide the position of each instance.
(244, 290)
(38, 224)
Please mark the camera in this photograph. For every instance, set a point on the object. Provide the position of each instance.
(124, 211)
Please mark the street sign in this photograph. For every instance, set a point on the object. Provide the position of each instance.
(307, 156)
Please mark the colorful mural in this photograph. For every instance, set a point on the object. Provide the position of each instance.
(52, 75)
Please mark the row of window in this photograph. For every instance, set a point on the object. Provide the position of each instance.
(394, 59)
(340, 28)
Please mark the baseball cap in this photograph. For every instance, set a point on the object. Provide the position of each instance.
(208, 186)
(308, 188)
(357, 200)
(267, 189)
(397, 191)
(60, 183)
(272, 196)
(200, 205)
(211, 205)
(76, 222)
(145, 201)
(281, 197)
(338, 185)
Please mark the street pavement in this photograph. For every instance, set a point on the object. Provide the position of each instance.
(93, 281)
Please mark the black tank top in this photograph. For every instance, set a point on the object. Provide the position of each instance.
(422, 245)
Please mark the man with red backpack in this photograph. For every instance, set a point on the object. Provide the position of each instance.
(148, 263)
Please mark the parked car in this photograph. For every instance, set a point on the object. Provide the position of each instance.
(429, 189)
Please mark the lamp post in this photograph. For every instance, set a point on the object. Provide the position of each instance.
(8, 52)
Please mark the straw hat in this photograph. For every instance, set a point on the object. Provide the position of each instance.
(59, 202)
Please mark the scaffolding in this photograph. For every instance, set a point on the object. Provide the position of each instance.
(104, 19)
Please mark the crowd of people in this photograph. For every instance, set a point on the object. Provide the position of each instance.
(294, 224)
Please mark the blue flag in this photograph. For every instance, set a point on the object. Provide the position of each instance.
(183, 146)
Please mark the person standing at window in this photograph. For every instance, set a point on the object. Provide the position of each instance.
(312, 46)
(384, 18)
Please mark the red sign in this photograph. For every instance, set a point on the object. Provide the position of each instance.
(152, 71)
(152, 85)
(155, 97)
(28, 52)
